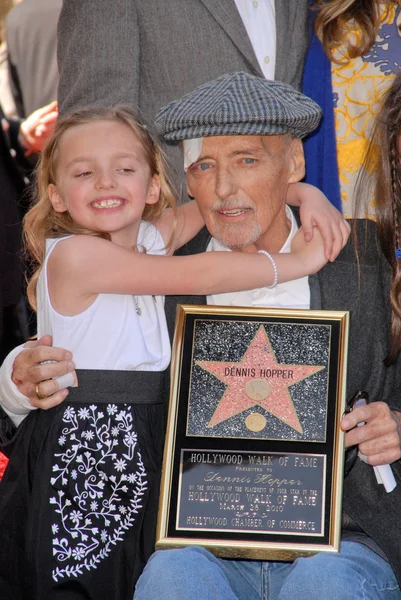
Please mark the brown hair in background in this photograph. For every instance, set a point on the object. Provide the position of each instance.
(332, 16)
(383, 161)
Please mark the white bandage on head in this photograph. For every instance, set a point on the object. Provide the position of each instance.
(192, 151)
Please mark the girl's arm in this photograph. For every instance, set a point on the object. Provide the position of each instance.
(188, 223)
(317, 211)
(81, 267)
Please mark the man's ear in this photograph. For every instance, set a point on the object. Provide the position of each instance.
(153, 194)
(297, 160)
(56, 199)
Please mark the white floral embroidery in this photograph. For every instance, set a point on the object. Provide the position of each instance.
(83, 413)
(120, 465)
(99, 482)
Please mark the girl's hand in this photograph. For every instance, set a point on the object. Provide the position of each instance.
(310, 254)
(317, 212)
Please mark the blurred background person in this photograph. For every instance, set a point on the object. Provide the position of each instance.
(354, 54)
(6, 97)
(31, 33)
(17, 140)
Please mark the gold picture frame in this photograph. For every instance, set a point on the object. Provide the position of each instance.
(253, 462)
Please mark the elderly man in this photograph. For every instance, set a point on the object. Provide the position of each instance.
(238, 175)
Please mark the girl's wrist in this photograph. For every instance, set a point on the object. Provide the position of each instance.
(274, 267)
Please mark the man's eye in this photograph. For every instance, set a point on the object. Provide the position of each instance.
(203, 166)
(249, 161)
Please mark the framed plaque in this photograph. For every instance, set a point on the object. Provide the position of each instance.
(253, 463)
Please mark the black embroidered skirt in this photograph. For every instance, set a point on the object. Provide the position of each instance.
(79, 498)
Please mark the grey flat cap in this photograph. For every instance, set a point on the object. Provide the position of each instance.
(238, 104)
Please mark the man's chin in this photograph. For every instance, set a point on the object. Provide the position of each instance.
(235, 241)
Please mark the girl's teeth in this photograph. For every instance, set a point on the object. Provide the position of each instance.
(107, 203)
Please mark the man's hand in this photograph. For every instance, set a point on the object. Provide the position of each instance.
(31, 368)
(379, 439)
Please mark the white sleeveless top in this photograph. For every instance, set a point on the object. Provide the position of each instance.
(110, 334)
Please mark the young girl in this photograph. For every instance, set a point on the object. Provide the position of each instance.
(79, 499)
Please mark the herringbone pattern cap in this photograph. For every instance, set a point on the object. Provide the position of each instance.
(238, 104)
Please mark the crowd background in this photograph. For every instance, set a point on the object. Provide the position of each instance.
(28, 82)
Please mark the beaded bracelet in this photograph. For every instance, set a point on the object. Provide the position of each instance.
(275, 270)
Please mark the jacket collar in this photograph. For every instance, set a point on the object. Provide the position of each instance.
(226, 14)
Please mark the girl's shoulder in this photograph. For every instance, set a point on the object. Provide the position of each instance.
(74, 241)
(51, 243)
(68, 251)
(149, 237)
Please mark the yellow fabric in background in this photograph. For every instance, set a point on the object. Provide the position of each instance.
(358, 86)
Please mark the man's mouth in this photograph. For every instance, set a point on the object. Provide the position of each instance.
(234, 212)
(108, 203)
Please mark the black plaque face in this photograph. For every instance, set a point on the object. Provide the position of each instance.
(253, 460)
(252, 492)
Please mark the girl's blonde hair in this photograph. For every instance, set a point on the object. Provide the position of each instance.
(42, 221)
(332, 17)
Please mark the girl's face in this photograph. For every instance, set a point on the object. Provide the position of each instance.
(103, 179)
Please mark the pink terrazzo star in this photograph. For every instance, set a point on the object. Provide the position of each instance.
(258, 380)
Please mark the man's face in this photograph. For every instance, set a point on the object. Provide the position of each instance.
(240, 184)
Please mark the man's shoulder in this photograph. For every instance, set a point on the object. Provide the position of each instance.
(359, 278)
(358, 269)
(363, 245)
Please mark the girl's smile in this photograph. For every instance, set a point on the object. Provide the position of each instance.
(103, 180)
(110, 202)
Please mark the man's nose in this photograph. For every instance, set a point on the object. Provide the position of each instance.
(225, 183)
(105, 179)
